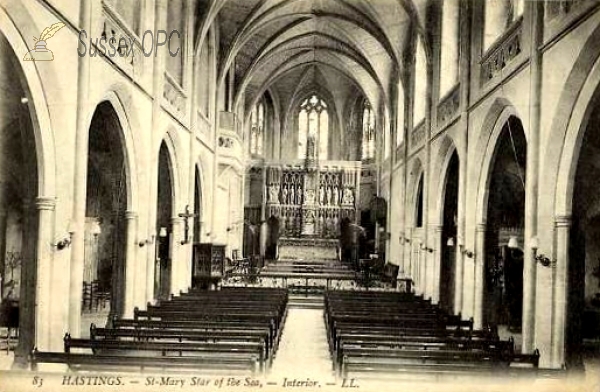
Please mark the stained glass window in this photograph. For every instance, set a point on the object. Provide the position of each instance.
(257, 123)
(368, 128)
(313, 121)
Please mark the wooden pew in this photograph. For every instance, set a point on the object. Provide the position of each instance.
(226, 330)
(401, 333)
(371, 345)
(75, 361)
(101, 347)
(153, 312)
(181, 335)
(202, 325)
(401, 362)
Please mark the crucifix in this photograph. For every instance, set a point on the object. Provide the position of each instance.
(186, 226)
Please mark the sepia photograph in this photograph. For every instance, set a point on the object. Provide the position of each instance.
(299, 195)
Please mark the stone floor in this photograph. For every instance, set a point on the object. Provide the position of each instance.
(303, 350)
(99, 318)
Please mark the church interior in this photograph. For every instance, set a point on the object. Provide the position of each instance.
(359, 189)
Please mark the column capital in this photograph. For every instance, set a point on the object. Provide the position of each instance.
(131, 215)
(562, 220)
(45, 203)
(176, 220)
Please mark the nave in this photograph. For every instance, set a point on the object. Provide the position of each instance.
(453, 141)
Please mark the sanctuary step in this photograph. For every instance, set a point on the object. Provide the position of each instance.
(306, 266)
(306, 301)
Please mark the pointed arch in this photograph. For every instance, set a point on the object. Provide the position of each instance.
(493, 125)
(171, 141)
(38, 105)
(114, 98)
(445, 154)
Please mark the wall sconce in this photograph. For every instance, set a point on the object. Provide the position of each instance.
(542, 259)
(66, 242)
(450, 242)
(468, 253)
(149, 241)
(403, 240)
(425, 248)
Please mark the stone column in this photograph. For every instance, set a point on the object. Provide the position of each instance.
(423, 272)
(407, 254)
(27, 287)
(532, 174)
(458, 276)
(437, 262)
(139, 295)
(80, 180)
(35, 293)
(419, 268)
(479, 260)
(3, 226)
(158, 70)
(414, 267)
(561, 290)
(43, 283)
(132, 281)
(150, 266)
(466, 52)
(175, 259)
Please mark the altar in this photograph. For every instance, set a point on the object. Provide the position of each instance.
(308, 249)
(310, 199)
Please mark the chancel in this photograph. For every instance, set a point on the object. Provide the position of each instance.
(316, 193)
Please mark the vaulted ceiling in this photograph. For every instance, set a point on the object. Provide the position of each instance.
(274, 44)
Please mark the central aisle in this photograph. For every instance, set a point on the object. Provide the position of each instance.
(303, 350)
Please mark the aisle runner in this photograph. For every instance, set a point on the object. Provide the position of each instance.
(303, 352)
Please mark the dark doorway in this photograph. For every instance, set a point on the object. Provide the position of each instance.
(164, 214)
(503, 286)
(106, 204)
(419, 204)
(251, 246)
(272, 238)
(448, 250)
(197, 207)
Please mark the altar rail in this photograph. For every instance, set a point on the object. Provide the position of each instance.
(311, 283)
